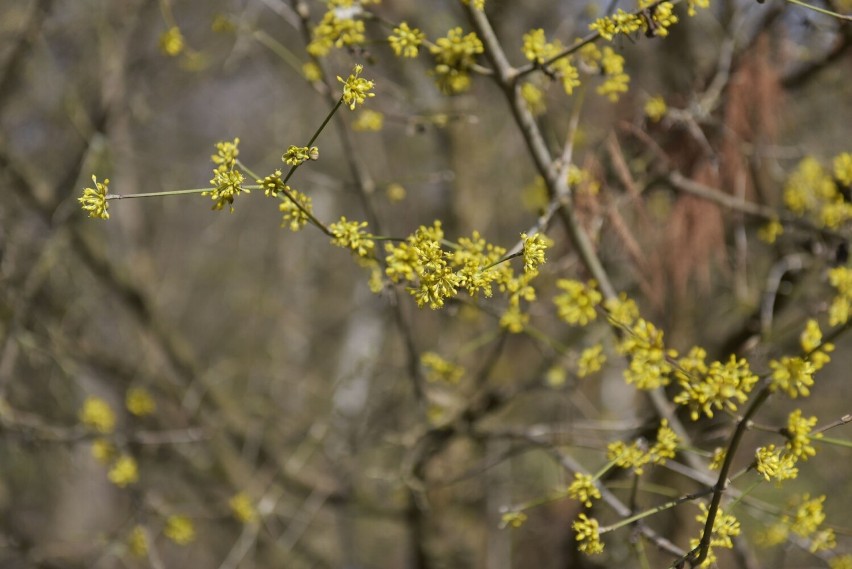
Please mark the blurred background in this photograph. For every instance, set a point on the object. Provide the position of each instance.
(278, 376)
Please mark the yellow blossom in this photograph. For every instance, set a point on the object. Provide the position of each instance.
(512, 519)
(311, 71)
(724, 386)
(295, 216)
(179, 529)
(770, 232)
(588, 535)
(534, 99)
(139, 402)
(691, 4)
(137, 542)
(395, 192)
(124, 471)
(171, 42)
(405, 41)
(336, 29)
(356, 89)
(634, 456)
(454, 55)
(440, 370)
(591, 360)
(666, 445)
(103, 450)
(775, 464)
(369, 120)
(718, 459)
(296, 155)
(351, 235)
(94, 200)
(534, 249)
(843, 168)
(576, 305)
(97, 415)
(811, 342)
(793, 375)
(725, 527)
(799, 437)
(583, 489)
(655, 109)
(242, 508)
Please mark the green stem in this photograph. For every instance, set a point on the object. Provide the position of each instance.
(169, 193)
(821, 10)
(654, 510)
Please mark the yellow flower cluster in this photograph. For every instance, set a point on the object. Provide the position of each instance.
(617, 81)
(649, 366)
(653, 19)
(356, 89)
(592, 359)
(351, 235)
(242, 508)
(843, 168)
(583, 489)
(103, 450)
(771, 231)
(454, 56)
(534, 99)
(719, 386)
(137, 542)
(806, 522)
(538, 50)
(477, 4)
(339, 27)
(171, 42)
(227, 182)
(691, 4)
(799, 437)
(440, 370)
(405, 41)
(841, 279)
(655, 109)
(139, 402)
(792, 375)
(725, 526)
(811, 191)
(124, 471)
(295, 155)
(97, 415)
(512, 519)
(637, 454)
(94, 200)
(587, 533)
(179, 529)
(295, 216)
(434, 275)
(534, 249)
(775, 464)
(369, 121)
(576, 306)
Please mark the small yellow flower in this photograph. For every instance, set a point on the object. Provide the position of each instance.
(395, 192)
(124, 471)
(793, 375)
(137, 542)
(296, 155)
(405, 41)
(513, 519)
(369, 121)
(103, 450)
(588, 535)
(534, 99)
(226, 154)
(94, 200)
(171, 42)
(440, 370)
(180, 529)
(139, 402)
(294, 216)
(351, 235)
(97, 415)
(718, 459)
(576, 305)
(655, 109)
(583, 489)
(770, 232)
(356, 89)
(772, 463)
(311, 71)
(242, 508)
(591, 360)
(534, 249)
(843, 168)
(666, 445)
